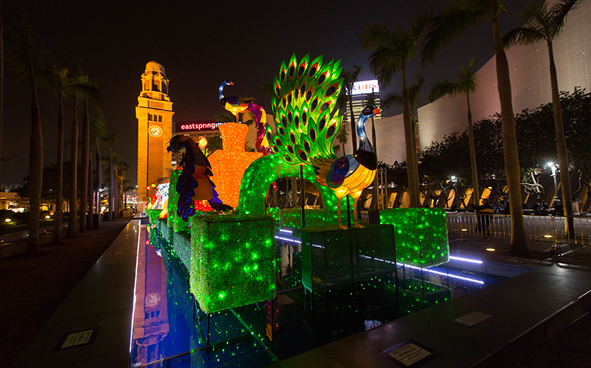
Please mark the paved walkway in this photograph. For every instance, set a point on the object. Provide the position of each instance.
(525, 312)
(101, 296)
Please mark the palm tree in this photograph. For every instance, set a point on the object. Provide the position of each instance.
(465, 84)
(97, 132)
(342, 136)
(413, 99)
(88, 89)
(350, 76)
(28, 62)
(1, 82)
(78, 81)
(121, 168)
(60, 84)
(456, 18)
(544, 24)
(391, 51)
(111, 140)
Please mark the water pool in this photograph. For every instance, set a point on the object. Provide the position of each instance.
(170, 330)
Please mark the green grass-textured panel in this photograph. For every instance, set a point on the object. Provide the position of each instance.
(181, 243)
(232, 260)
(421, 235)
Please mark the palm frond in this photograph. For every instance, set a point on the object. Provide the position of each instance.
(374, 36)
(522, 36)
(448, 25)
(442, 88)
(559, 12)
(392, 99)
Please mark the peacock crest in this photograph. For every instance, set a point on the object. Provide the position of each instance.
(303, 104)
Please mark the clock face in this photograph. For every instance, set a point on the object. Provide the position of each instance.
(155, 131)
(152, 300)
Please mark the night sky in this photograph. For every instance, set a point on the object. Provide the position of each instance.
(200, 44)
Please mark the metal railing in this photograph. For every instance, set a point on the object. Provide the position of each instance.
(543, 228)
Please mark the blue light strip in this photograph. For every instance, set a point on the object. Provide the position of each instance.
(296, 241)
(465, 259)
(137, 261)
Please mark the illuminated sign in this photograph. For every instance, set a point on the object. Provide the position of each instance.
(365, 87)
(196, 126)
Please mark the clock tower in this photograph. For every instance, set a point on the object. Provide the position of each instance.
(154, 115)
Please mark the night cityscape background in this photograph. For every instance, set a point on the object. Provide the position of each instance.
(200, 44)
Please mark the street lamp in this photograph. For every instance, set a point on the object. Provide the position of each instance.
(554, 168)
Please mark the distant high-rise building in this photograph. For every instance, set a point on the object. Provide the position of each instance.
(361, 91)
(154, 115)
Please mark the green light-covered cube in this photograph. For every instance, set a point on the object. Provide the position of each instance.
(181, 243)
(421, 235)
(331, 256)
(165, 230)
(153, 215)
(232, 260)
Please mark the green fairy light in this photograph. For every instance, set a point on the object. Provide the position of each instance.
(228, 274)
(421, 235)
(262, 173)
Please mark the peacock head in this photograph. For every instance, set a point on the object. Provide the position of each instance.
(370, 110)
(227, 82)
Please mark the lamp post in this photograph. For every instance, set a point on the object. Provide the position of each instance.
(554, 168)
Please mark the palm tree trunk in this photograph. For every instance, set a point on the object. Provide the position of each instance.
(411, 152)
(90, 217)
(561, 148)
(353, 127)
(510, 154)
(85, 158)
(111, 187)
(35, 170)
(57, 230)
(73, 219)
(99, 181)
(474, 166)
(374, 203)
(294, 192)
(1, 82)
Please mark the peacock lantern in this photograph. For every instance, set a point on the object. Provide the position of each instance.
(195, 183)
(305, 95)
(237, 105)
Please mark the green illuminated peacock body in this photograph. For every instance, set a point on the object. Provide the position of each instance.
(306, 122)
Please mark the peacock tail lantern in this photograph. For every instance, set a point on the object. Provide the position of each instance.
(306, 120)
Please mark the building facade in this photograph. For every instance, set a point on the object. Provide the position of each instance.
(530, 83)
(154, 114)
